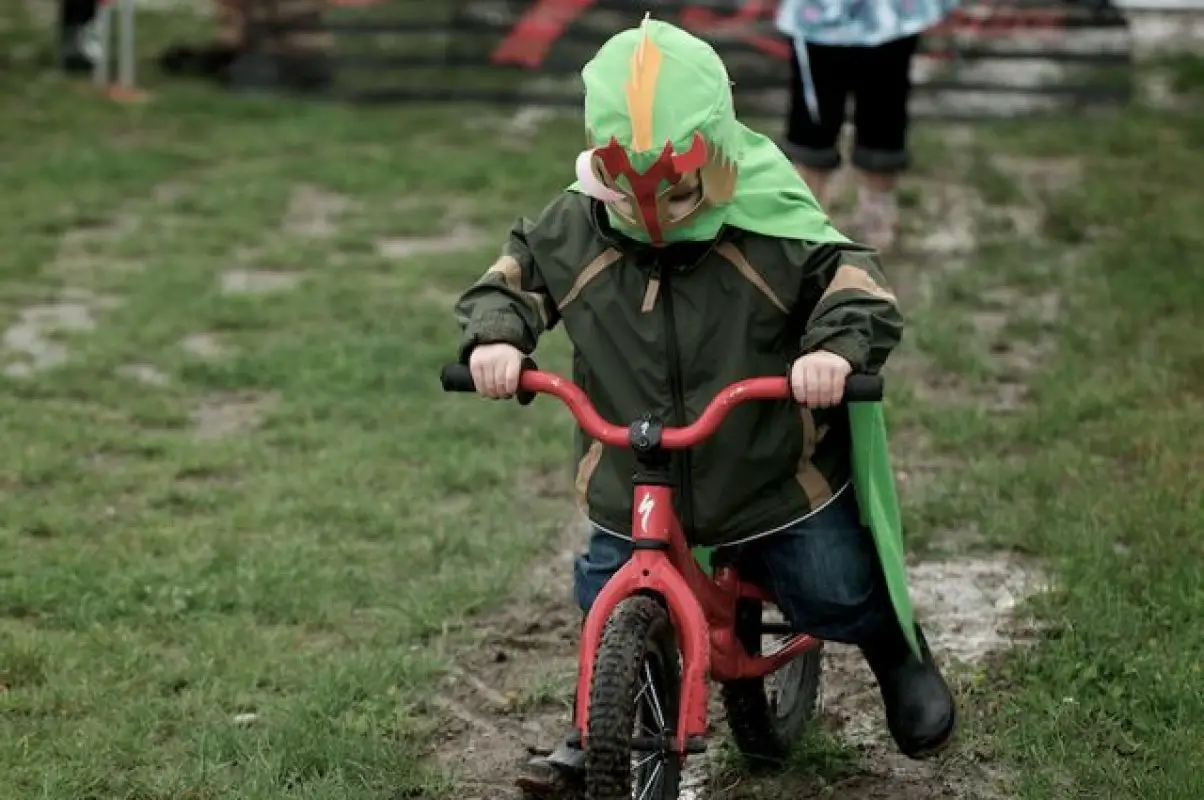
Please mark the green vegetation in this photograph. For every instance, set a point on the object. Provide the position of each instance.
(244, 535)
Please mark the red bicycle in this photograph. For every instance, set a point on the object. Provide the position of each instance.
(662, 625)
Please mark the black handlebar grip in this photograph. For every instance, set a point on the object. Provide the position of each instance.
(525, 398)
(864, 388)
(456, 378)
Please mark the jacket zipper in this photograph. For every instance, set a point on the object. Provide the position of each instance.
(677, 392)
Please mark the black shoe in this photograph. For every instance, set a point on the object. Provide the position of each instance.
(559, 774)
(79, 49)
(920, 711)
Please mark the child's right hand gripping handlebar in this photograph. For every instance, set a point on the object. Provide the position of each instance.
(857, 389)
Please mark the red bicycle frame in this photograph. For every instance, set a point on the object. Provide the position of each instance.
(703, 609)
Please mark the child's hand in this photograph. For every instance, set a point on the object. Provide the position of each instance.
(495, 369)
(817, 379)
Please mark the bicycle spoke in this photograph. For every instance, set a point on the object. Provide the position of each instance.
(654, 780)
(649, 770)
(646, 760)
(640, 695)
(656, 701)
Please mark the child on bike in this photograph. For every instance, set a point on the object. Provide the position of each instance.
(690, 255)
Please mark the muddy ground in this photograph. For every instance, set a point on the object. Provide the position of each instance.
(509, 692)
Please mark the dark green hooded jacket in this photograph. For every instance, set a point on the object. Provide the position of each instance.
(663, 329)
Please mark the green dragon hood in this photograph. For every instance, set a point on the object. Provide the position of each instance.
(657, 89)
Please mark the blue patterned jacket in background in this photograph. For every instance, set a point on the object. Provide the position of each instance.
(860, 23)
(853, 23)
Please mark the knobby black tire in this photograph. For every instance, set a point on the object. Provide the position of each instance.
(764, 734)
(638, 629)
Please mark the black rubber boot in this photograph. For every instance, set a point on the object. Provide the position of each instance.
(559, 774)
(920, 711)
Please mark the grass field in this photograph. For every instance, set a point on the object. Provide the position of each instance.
(244, 538)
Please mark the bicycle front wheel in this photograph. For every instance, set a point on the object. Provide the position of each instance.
(635, 696)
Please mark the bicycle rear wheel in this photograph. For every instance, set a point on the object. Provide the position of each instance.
(636, 692)
(769, 715)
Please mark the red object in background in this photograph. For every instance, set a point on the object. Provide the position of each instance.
(528, 41)
(703, 21)
(1000, 20)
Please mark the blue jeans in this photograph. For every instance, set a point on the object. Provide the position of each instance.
(823, 572)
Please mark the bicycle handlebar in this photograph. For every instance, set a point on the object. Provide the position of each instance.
(857, 389)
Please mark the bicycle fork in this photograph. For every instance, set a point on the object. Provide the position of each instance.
(646, 573)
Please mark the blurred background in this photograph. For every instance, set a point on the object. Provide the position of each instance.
(249, 550)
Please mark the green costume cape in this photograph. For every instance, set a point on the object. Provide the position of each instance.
(658, 84)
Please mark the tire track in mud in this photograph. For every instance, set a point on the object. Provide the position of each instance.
(510, 690)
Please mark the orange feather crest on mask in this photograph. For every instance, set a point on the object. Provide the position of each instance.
(641, 90)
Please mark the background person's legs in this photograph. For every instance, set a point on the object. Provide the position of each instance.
(813, 145)
(79, 48)
(881, 91)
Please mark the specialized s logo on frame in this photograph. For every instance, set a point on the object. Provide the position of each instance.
(645, 510)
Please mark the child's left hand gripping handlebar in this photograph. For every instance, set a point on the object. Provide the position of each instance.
(458, 378)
